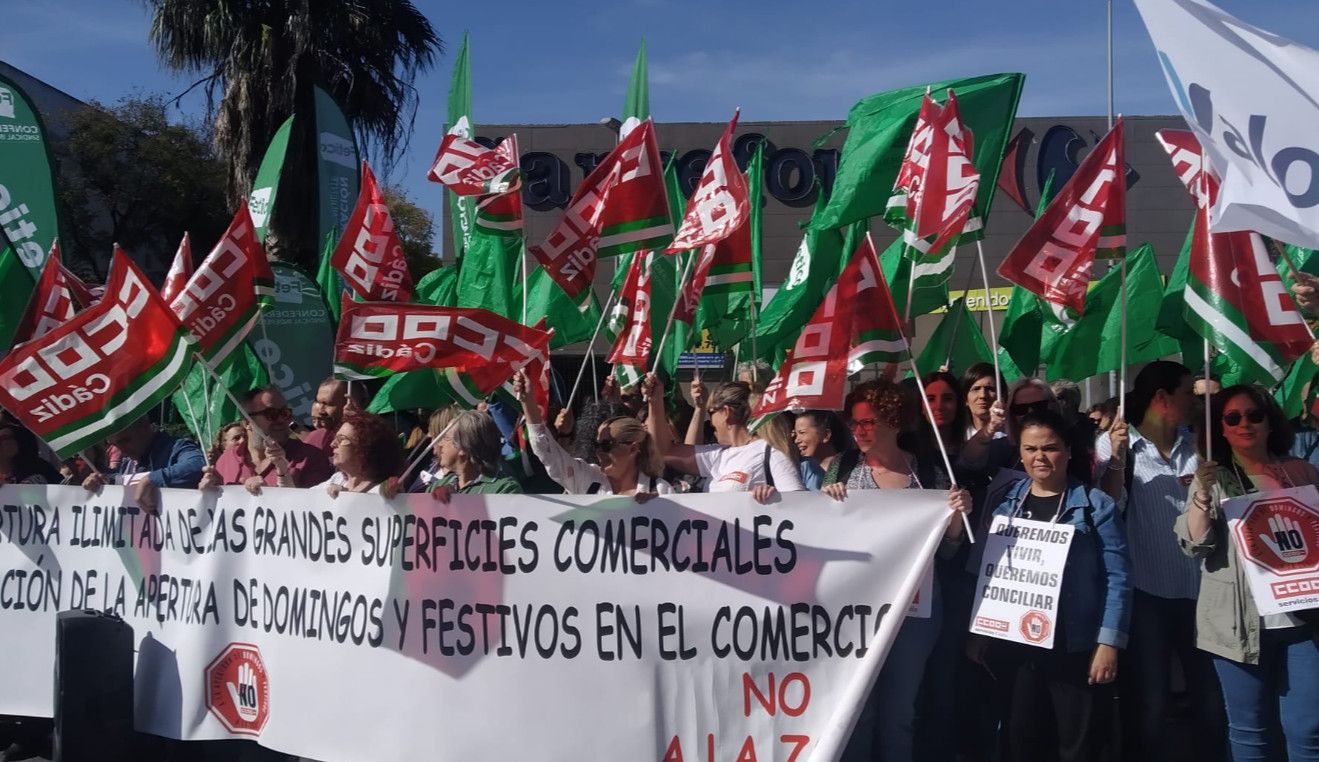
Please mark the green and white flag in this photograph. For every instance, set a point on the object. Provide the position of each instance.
(462, 209)
(330, 282)
(929, 292)
(27, 182)
(956, 343)
(240, 372)
(338, 166)
(264, 189)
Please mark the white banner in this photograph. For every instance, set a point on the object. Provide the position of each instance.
(1276, 536)
(1252, 98)
(1021, 580)
(497, 627)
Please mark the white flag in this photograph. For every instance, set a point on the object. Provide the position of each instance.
(1252, 98)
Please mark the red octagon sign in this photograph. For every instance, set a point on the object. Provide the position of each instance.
(1280, 534)
(238, 689)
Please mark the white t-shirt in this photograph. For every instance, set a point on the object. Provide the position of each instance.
(338, 479)
(738, 469)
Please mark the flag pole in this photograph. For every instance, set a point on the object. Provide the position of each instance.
(938, 438)
(1209, 440)
(425, 450)
(206, 451)
(229, 393)
(1122, 359)
(525, 284)
(682, 284)
(604, 315)
(989, 313)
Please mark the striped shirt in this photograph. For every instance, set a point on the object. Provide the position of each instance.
(1158, 496)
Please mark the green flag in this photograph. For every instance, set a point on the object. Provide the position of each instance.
(27, 183)
(16, 287)
(820, 259)
(462, 209)
(547, 299)
(1094, 345)
(262, 201)
(930, 290)
(880, 127)
(636, 104)
(338, 166)
(438, 287)
(1021, 336)
(956, 343)
(241, 372)
(1297, 391)
(331, 284)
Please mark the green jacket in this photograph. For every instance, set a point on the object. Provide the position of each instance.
(1227, 623)
(481, 485)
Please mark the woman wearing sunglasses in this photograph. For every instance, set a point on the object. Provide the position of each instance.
(628, 463)
(1268, 666)
(877, 412)
(1059, 701)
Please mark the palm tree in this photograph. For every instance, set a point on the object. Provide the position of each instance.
(266, 56)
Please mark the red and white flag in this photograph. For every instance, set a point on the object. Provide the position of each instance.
(470, 169)
(630, 353)
(224, 297)
(379, 339)
(369, 255)
(948, 192)
(1054, 257)
(569, 252)
(180, 270)
(51, 304)
(721, 202)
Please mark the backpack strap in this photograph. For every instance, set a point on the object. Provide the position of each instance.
(651, 488)
(769, 475)
(594, 489)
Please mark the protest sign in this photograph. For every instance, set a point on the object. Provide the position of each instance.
(695, 627)
(1276, 534)
(1021, 578)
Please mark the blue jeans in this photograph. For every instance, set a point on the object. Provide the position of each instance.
(885, 729)
(1278, 696)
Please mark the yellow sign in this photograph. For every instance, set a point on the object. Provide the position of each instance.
(975, 299)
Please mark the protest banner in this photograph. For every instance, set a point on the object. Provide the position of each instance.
(1021, 579)
(1276, 535)
(697, 627)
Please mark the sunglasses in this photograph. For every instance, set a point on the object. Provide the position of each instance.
(606, 445)
(1023, 408)
(273, 413)
(1254, 415)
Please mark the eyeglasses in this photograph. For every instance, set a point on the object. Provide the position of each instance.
(863, 423)
(1023, 408)
(273, 413)
(342, 440)
(1233, 418)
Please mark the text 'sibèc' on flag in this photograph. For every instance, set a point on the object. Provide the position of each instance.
(369, 256)
(1252, 99)
(102, 369)
(1055, 255)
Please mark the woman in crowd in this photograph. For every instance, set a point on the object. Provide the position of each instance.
(1268, 666)
(986, 453)
(944, 393)
(19, 461)
(739, 462)
(470, 455)
(1060, 700)
(1101, 414)
(628, 461)
(878, 411)
(366, 454)
(819, 435)
(981, 393)
(229, 435)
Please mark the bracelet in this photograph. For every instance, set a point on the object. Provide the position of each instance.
(1117, 465)
(1203, 505)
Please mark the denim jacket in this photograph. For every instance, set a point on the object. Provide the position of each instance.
(1095, 606)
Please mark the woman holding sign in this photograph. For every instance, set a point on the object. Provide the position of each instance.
(1062, 693)
(1268, 665)
(877, 412)
(628, 461)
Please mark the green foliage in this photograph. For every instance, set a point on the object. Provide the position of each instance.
(415, 228)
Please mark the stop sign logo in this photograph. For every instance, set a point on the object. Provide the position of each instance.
(1281, 535)
(238, 689)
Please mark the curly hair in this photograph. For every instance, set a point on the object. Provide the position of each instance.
(382, 456)
(891, 403)
(1281, 434)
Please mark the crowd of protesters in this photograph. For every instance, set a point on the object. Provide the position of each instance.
(1156, 623)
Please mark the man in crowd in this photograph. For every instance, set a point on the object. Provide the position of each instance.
(327, 412)
(151, 459)
(272, 457)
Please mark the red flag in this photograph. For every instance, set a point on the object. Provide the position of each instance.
(100, 370)
(721, 202)
(83, 297)
(383, 338)
(180, 270)
(52, 303)
(225, 296)
(948, 190)
(369, 256)
(1054, 257)
(470, 169)
(632, 346)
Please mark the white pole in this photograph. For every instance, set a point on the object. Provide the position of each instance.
(1209, 442)
(938, 438)
(206, 450)
(682, 283)
(989, 312)
(604, 315)
(525, 284)
(1122, 358)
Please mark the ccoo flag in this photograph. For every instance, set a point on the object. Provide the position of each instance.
(369, 256)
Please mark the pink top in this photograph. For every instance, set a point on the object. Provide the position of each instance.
(308, 466)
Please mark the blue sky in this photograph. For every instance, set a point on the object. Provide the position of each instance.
(568, 61)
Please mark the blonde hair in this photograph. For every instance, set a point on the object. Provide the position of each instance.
(629, 430)
(778, 434)
(736, 396)
(440, 420)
